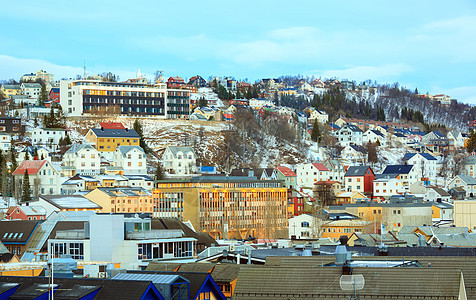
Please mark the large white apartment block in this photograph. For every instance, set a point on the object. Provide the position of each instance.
(80, 97)
(308, 174)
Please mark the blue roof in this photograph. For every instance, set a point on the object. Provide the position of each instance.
(120, 133)
(427, 156)
(207, 169)
(398, 169)
(55, 90)
(332, 125)
(397, 134)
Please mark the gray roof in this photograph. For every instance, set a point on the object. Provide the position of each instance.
(32, 85)
(352, 127)
(441, 192)
(126, 133)
(176, 149)
(77, 147)
(470, 160)
(126, 149)
(468, 179)
(11, 86)
(70, 201)
(357, 171)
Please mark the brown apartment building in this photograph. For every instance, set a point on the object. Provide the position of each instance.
(225, 207)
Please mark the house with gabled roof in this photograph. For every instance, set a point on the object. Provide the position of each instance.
(111, 125)
(42, 152)
(107, 140)
(79, 183)
(319, 115)
(30, 212)
(374, 136)
(354, 153)
(308, 174)
(44, 178)
(350, 197)
(131, 159)
(437, 194)
(466, 182)
(287, 175)
(81, 158)
(359, 179)
(57, 203)
(470, 165)
(406, 174)
(31, 89)
(349, 134)
(179, 160)
(15, 235)
(425, 164)
(387, 185)
(48, 137)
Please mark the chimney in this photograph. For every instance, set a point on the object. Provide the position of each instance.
(127, 129)
(102, 128)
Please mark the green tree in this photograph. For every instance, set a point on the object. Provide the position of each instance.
(25, 194)
(159, 172)
(13, 159)
(27, 155)
(4, 177)
(43, 95)
(316, 132)
(138, 128)
(35, 153)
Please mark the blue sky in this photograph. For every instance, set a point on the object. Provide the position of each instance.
(430, 45)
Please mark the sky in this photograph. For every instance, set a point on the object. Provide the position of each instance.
(429, 45)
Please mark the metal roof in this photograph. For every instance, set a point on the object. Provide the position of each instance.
(155, 278)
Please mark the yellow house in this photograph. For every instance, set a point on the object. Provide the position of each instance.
(122, 199)
(11, 90)
(337, 228)
(350, 197)
(108, 140)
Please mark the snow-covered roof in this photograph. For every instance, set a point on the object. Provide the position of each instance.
(70, 202)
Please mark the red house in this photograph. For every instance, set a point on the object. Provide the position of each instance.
(359, 179)
(26, 213)
(54, 94)
(175, 82)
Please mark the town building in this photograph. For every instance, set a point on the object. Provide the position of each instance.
(197, 81)
(30, 212)
(83, 97)
(349, 135)
(48, 137)
(131, 159)
(107, 140)
(54, 94)
(359, 179)
(288, 176)
(16, 234)
(79, 183)
(43, 177)
(5, 141)
(122, 199)
(178, 104)
(31, 89)
(308, 174)
(425, 164)
(225, 207)
(465, 182)
(57, 203)
(179, 160)
(81, 159)
(11, 125)
(9, 90)
(43, 75)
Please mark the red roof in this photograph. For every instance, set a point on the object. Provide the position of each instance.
(286, 171)
(320, 167)
(327, 182)
(111, 125)
(33, 166)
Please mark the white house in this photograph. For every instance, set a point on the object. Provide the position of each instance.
(5, 141)
(435, 194)
(349, 135)
(425, 164)
(132, 159)
(336, 170)
(302, 227)
(81, 159)
(387, 185)
(407, 174)
(457, 138)
(31, 89)
(44, 179)
(466, 182)
(319, 115)
(47, 137)
(354, 153)
(470, 165)
(179, 160)
(142, 181)
(258, 103)
(308, 174)
(43, 153)
(372, 136)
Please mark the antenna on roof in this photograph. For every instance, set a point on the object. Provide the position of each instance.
(84, 67)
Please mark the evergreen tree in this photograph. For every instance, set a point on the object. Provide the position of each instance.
(13, 159)
(25, 194)
(43, 95)
(316, 132)
(202, 102)
(159, 172)
(27, 155)
(138, 128)
(35, 153)
(3, 176)
(238, 94)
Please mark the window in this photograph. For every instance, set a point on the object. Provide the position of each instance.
(305, 224)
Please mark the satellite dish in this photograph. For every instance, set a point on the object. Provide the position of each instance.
(352, 282)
